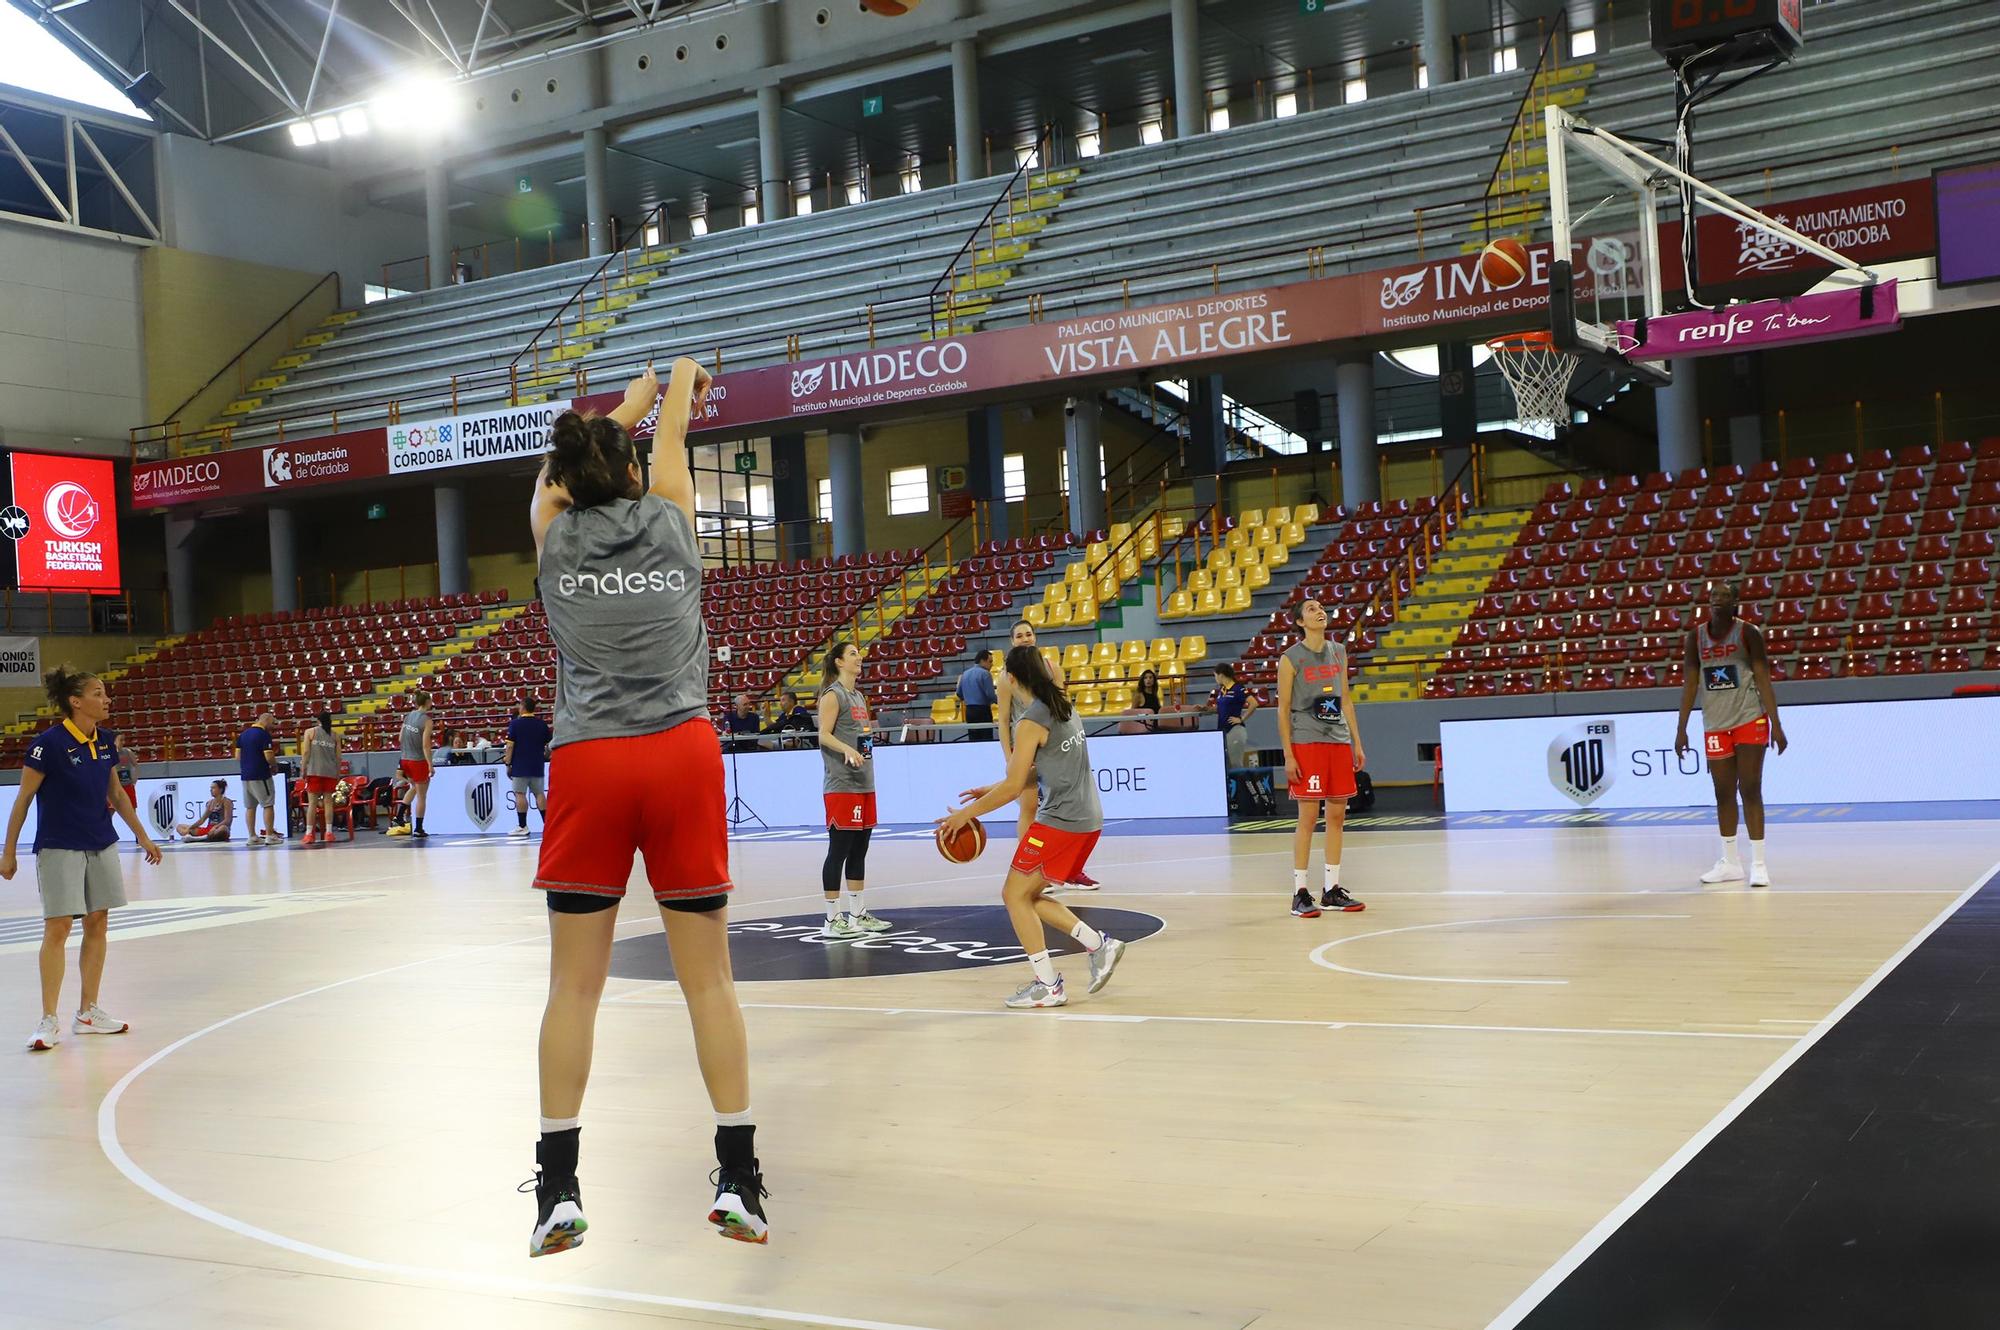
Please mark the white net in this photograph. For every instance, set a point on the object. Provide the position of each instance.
(1539, 375)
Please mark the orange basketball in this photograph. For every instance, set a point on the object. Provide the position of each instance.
(1504, 263)
(890, 8)
(967, 845)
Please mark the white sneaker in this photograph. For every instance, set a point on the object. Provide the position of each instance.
(93, 1020)
(46, 1036)
(1760, 875)
(273, 838)
(519, 833)
(868, 923)
(1723, 871)
(842, 928)
(254, 843)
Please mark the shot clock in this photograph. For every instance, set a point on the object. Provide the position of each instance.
(1737, 32)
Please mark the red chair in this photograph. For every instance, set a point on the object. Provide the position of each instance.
(1966, 600)
(1951, 660)
(1813, 667)
(1829, 609)
(1971, 572)
(1874, 607)
(1904, 662)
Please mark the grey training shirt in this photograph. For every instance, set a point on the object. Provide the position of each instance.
(412, 736)
(1319, 693)
(849, 727)
(1062, 764)
(621, 584)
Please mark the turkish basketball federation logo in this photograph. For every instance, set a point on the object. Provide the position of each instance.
(160, 808)
(1580, 762)
(71, 512)
(482, 798)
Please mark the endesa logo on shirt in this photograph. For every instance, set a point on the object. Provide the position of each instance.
(63, 523)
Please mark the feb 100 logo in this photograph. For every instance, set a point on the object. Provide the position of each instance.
(1580, 762)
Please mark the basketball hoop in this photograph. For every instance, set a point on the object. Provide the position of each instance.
(1539, 375)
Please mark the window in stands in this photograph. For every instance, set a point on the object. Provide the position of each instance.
(856, 194)
(750, 214)
(370, 293)
(1582, 42)
(1062, 483)
(652, 236)
(1423, 76)
(913, 179)
(909, 491)
(1506, 59)
(1151, 132)
(698, 224)
(1029, 156)
(825, 499)
(802, 205)
(1218, 110)
(1355, 90)
(1286, 106)
(1014, 477)
(1089, 143)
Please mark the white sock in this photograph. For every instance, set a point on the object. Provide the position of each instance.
(1044, 968)
(1729, 850)
(558, 1124)
(850, 901)
(1299, 879)
(1090, 937)
(832, 907)
(1757, 853)
(1332, 876)
(733, 1119)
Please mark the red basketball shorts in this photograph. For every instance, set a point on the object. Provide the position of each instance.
(1751, 734)
(320, 785)
(1058, 855)
(851, 812)
(658, 795)
(1326, 771)
(417, 773)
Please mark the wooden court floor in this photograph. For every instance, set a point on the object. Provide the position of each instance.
(1395, 1119)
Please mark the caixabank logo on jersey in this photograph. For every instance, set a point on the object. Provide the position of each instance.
(1580, 761)
(924, 940)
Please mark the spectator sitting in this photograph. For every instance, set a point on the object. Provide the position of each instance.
(450, 751)
(743, 723)
(800, 722)
(217, 815)
(1145, 702)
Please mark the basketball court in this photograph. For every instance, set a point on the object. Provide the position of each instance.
(1404, 1117)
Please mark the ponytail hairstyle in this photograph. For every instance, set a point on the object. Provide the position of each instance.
(326, 721)
(1031, 672)
(421, 698)
(592, 457)
(829, 666)
(64, 686)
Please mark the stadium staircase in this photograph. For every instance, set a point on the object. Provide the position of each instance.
(1428, 620)
(872, 623)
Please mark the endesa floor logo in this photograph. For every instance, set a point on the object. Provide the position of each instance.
(61, 522)
(925, 940)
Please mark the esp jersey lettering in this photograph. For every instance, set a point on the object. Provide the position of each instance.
(71, 808)
(1728, 688)
(850, 726)
(1062, 765)
(1319, 693)
(621, 583)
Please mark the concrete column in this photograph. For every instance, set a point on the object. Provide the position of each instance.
(1190, 106)
(1440, 56)
(986, 464)
(1208, 439)
(850, 514)
(1677, 409)
(596, 203)
(284, 557)
(775, 193)
(1083, 437)
(970, 141)
(1360, 468)
(180, 573)
(454, 571)
(791, 497)
(437, 222)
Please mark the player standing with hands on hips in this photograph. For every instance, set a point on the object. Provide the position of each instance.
(70, 776)
(1739, 716)
(636, 769)
(1322, 741)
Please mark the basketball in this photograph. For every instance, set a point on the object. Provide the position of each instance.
(967, 845)
(890, 8)
(1504, 263)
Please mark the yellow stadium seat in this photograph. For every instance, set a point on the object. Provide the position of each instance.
(1263, 535)
(1193, 648)
(1238, 538)
(1062, 615)
(1250, 517)
(1208, 601)
(1083, 591)
(1231, 577)
(1132, 653)
(1163, 648)
(1075, 654)
(1236, 600)
(1292, 533)
(1277, 556)
(1256, 575)
(1128, 567)
(1078, 571)
(1178, 606)
(1057, 591)
(1220, 557)
(1250, 554)
(1037, 615)
(1076, 674)
(1172, 669)
(1104, 653)
(1199, 581)
(1083, 613)
(1118, 532)
(1306, 514)
(1053, 655)
(1089, 702)
(1096, 552)
(1117, 699)
(946, 711)
(1148, 547)
(1107, 588)
(1112, 673)
(1277, 516)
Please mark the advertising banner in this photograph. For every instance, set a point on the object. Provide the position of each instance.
(1764, 323)
(63, 523)
(487, 436)
(20, 662)
(245, 472)
(163, 804)
(1876, 224)
(1916, 751)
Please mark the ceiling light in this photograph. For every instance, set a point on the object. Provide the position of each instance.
(1114, 57)
(302, 134)
(354, 122)
(418, 104)
(326, 128)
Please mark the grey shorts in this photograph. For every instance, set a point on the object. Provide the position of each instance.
(77, 882)
(1236, 747)
(258, 793)
(527, 785)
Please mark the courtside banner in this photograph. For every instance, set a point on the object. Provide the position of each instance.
(487, 436)
(1840, 753)
(163, 804)
(20, 662)
(236, 473)
(62, 523)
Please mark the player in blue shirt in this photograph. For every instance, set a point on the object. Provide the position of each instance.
(527, 758)
(70, 776)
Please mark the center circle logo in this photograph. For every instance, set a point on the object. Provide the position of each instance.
(71, 512)
(925, 940)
